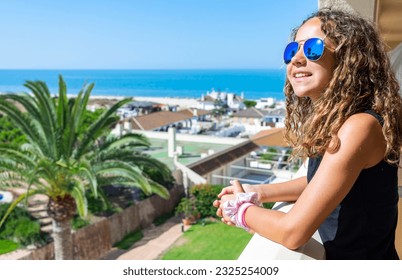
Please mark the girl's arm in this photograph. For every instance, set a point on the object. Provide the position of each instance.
(285, 191)
(362, 146)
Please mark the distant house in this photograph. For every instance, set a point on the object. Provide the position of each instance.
(233, 101)
(161, 121)
(196, 114)
(265, 103)
(206, 103)
(255, 120)
(138, 108)
(275, 117)
(250, 119)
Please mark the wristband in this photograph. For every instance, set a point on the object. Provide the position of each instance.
(241, 215)
(235, 209)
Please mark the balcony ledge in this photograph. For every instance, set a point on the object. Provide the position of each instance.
(261, 248)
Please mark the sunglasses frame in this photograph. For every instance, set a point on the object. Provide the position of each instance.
(304, 51)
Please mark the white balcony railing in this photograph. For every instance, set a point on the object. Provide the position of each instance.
(261, 248)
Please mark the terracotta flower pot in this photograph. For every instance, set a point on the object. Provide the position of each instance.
(187, 221)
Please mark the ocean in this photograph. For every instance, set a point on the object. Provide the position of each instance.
(254, 84)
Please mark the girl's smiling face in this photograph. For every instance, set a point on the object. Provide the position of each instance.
(309, 78)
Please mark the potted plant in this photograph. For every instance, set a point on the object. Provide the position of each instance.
(186, 208)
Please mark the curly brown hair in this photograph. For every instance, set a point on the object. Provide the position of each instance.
(362, 80)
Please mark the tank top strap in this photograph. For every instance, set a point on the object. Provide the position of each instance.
(375, 115)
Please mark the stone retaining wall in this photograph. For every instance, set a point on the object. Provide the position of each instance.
(95, 240)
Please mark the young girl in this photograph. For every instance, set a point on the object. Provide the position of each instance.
(344, 114)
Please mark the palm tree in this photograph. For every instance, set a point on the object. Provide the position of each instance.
(63, 161)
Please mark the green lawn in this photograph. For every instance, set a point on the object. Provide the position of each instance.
(7, 246)
(214, 241)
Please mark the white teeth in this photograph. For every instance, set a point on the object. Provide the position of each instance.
(299, 75)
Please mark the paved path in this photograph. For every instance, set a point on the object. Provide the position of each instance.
(155, 242)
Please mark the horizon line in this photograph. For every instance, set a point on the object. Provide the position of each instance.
(133, 69)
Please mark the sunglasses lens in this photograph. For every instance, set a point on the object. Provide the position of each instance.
(313, 48)
(290, 51)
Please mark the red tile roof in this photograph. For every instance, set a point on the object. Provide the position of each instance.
(193, 112)
(251, 113)
(270, 137)
(163, 118)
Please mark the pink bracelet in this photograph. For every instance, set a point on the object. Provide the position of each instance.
(241, 215)
(235, 209)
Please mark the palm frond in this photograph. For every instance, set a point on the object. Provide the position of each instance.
(159, 190)
(22, 121)
(26, 101)
(122, 147)
(124, 170)
(46, 106)
(15, 203)
(62, 105)
(62, 115)
(78, 193)
(16, 155)
(129, 139)
(85, 168)
(98, 127)
(80, 104)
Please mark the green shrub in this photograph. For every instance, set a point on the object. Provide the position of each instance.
(271, 154)
(20, 227)
(205, 195)
(250, 103)
(9, 133)
(157, 175)
(187, 207)
(27, 231)
(77, 222)
(99, 206)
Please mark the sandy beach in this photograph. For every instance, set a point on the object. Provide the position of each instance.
(182, 102)
(106, 101)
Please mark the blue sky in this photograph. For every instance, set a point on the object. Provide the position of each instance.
(147, 34)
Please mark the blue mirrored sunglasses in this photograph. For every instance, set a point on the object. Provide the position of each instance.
(313, 49)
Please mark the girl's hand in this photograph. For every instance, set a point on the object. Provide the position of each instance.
(228, 193)
(236, 187)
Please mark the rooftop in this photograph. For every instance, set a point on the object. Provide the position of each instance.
(164, 118)
(192, 151)
(270, 137)
(203, 167)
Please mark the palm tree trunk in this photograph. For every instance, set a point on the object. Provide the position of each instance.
(63, 240)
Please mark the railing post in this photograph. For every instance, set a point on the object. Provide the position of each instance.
(185, 183)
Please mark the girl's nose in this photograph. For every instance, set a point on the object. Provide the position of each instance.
(299, 58)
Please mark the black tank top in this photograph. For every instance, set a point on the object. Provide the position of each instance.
(363, 225)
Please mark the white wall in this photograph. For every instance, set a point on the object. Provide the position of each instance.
(193, 138)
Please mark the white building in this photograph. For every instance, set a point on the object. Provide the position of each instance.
(234, 102)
